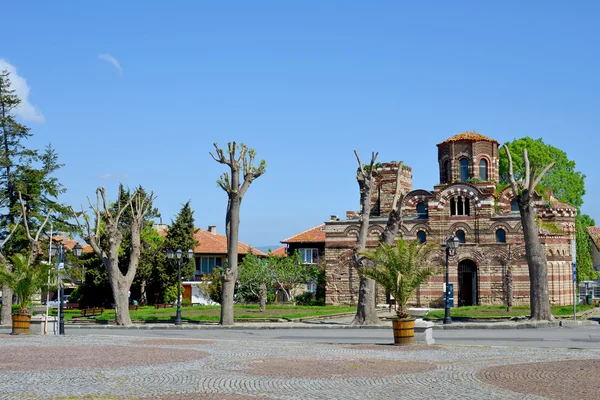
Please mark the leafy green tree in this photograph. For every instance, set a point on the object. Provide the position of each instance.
(288, 272)
(151, 274)
(181, 236)
(584, 243)
(567, 185)
(257, 276)
(29, 172)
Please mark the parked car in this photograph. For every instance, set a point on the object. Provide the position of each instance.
(54, 303)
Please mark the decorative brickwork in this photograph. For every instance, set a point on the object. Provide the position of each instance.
(493, 237)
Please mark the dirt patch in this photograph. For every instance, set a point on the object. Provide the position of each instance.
(576, 379)
(335, 367)
(40, 358)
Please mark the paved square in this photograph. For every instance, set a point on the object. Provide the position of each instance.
(111, 367)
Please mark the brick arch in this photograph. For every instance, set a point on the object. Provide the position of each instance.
(500, 225)
(487, 158)
(412, 198)
(460, 225)
(376, 229)
(419, 227)
(352, 229)
(518, 227)
(462, 189)
(469, 257)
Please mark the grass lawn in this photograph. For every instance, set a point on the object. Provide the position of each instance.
(213, 313)
(500, 311)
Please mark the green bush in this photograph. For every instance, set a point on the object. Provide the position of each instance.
(304, 299)
(215, 286)
(170, 294)
(186, 302)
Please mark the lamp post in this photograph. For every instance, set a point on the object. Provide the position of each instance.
(451, 246)
(178, 254)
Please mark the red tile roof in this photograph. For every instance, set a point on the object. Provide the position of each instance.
(313, 235)
(594, 232)
(280, 251)
(214, 243)
(70, 243)
(469, 136)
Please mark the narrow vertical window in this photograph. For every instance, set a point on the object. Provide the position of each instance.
(461, 206)
(421, 211)
(460, 234)
(483, 169)
(501, 236)
(452, 206)
(514, 205)
(447, 172)
(422, 237)
(467, 207)
(464, 169)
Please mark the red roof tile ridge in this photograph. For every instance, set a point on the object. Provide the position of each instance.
(301, 233)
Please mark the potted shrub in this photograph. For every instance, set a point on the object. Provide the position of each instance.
(25, 280)
(400, 269)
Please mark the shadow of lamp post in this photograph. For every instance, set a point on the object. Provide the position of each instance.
(178, 254)
(451, 247)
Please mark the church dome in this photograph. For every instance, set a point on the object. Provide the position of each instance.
(468, 136)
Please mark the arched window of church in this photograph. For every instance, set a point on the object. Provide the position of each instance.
(422, 237)
(422, 211)
(464, 169)
(483, 169)
(447, 172)
(501, 236)
(514, 205)
(460, 206)
(460, 234)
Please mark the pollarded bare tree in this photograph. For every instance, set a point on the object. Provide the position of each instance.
(366, 313)
(534, 251)
(107, 247)
(235, 190)
(395, 218)
(6, 316)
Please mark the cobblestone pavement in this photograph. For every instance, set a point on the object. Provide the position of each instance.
(115, 367)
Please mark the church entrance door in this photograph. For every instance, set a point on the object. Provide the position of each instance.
(467, 283)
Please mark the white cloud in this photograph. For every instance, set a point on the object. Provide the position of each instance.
(25, 110)
(114, 176)
(107, 57)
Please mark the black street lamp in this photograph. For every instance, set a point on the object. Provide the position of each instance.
(451, 247)
(179, 253)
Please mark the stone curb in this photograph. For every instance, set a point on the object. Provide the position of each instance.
(258, 326)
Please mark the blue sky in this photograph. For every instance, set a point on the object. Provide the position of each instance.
(138, 91)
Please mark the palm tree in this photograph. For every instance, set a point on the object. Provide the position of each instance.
(400, 269)
(24, 279)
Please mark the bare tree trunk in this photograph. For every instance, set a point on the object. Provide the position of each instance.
(537, 263)
(230, 274)
(263, 297)
(7, 295)
(509, 288)
(534, 251)
(143, 295)
(366, 314)
(235, 190)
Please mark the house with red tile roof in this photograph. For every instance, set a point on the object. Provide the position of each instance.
(310, 244)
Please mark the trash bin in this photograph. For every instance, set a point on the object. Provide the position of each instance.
(588, 299)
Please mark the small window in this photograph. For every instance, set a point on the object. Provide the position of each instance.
(483, 169)
(447, 171)
(308, 255)
(464, 169)
(206, 265)
(460, 206)
(422, 237)
(452, 206)
(460, 234)
(514, 205)
(501, 236)
(422, 211)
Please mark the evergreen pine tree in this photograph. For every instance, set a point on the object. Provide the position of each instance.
(181, 236)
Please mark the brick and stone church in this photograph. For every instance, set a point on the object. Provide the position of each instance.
(468, 203)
